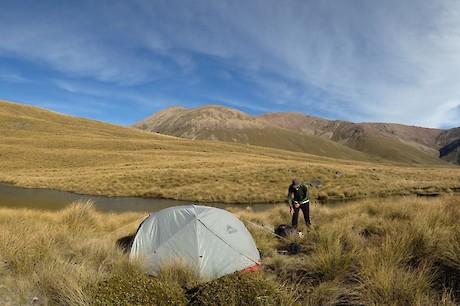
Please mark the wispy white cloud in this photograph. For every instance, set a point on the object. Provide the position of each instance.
(72, 47)
(390, 61)
(8, 75)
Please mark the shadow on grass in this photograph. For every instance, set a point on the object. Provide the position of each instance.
(125, 243)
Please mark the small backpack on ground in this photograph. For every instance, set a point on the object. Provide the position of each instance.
(285, 230)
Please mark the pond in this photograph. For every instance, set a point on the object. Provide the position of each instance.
(47, 199)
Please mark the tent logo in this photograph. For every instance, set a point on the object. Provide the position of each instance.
(231, 230)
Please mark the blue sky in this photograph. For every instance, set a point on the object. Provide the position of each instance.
(121, 61)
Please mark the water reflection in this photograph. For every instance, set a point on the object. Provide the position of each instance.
(46, 199)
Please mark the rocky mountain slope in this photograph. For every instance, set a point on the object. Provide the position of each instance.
(387, 140)
(220, 123)
(449, 141)
(304, 133)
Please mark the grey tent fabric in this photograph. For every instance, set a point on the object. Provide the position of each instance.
(211, 240)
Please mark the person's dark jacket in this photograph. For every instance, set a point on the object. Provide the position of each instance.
(300, 194)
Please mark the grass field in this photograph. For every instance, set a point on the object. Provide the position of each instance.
(370, 252)
(402, 250)
(43, 149)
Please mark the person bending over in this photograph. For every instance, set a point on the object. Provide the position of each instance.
(298, 200)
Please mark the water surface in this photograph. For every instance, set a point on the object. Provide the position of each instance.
(47, 199)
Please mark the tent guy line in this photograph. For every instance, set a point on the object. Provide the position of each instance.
(218, 236)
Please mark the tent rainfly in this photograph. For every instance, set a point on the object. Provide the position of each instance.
(210, 240)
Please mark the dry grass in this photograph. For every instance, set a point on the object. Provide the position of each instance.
(43, 149)
(53, 257)
(404, 251)
(371, 252)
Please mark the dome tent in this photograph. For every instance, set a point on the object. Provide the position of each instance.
(211, 240)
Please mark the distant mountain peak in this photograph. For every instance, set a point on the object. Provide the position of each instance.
(185, 122)
(296, 131)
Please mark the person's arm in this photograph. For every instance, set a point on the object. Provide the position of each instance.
(289, 197)
(305, 197)
(291, 208)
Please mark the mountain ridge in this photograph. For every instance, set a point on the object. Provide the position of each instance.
(44, 149)
(220, 123)
(387, 141)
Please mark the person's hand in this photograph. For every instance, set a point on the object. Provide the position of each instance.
(291, 210)
(296, 204)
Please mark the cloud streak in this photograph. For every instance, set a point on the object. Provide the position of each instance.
(387, 61)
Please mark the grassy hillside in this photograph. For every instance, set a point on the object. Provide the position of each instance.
(44, 149)
(395, 142)
(219, 123)
(271, 137)
(374, 252)
(370, 139)
(390, 149)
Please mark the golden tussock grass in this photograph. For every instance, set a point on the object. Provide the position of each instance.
(43, 149)
(395, 251)
(404, 251)
(401, 251)
(54, 257)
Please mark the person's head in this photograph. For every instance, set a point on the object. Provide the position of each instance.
(295, 182)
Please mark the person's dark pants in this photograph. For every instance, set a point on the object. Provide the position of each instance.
(306, 214)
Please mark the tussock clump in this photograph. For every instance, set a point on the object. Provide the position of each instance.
(179, 273)
(448, 263)
(79, 215)
(49, 258)
(332, 293)
(332, 259)
(136, 289)
(384, 283)
(242, 288)
(371, 252)
(61, 282)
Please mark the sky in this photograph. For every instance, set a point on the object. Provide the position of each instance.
(119, 61)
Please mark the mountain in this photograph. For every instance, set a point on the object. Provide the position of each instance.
(387, 140)
(396, 142)
(44, 149)
(213, 122)
(301, 133)
(449, 141)
(193, 123)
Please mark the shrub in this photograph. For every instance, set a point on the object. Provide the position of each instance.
(242, 288)
(136, 289)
